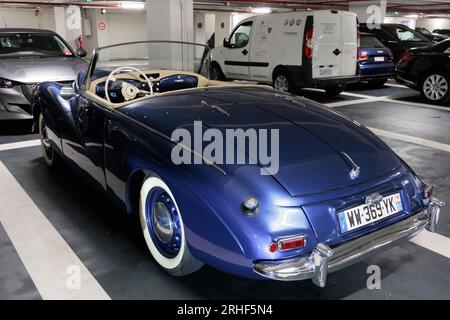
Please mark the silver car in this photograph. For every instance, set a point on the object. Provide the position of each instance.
(27, 58)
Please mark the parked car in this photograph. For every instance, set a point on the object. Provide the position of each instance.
(435, 37)
(375, 61)
(397, 37)
(428, 71)
(291, 50)
(445, 32)
(339, 194)
(28, 57)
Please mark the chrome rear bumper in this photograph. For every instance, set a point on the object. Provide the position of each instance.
(324, 259)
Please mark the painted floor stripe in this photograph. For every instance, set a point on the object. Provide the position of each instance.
(352, 102)
(415, 140)
(434, 242)
(49, 260)
(19, 145)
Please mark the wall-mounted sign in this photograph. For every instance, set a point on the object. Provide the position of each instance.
(101, 26)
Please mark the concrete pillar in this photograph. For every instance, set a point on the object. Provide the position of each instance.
(171, 20)
(370, 12)
(223, 27)
(99, 30)
(68, 23)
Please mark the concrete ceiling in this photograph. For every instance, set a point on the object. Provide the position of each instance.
(394, 7)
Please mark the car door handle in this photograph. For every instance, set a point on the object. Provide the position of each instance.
(244, 52)
(337, 51)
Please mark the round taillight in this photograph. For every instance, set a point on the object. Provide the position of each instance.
(273, 247)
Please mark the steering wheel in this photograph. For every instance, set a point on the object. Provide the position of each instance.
(129, 91)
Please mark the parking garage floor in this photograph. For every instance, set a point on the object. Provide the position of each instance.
(83, 227)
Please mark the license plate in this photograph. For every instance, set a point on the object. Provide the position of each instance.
(326, 72)
(379, 59)
(363, 215)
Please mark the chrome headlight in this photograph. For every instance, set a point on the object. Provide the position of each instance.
(6, 84)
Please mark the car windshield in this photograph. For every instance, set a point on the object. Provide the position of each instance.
(370, 42)
(405, 34)
(152, 55)
(32, 45)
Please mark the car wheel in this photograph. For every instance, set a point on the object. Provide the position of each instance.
(50, 156)
(377, 83)
(435, 87)
(282, 81)
(216, 73)
(334, 91)
(163, 228)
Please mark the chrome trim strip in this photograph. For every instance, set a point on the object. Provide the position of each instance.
(324, 259)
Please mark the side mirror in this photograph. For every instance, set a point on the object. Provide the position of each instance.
(81, 52)
(226, 42)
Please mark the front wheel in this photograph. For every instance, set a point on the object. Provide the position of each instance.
(217, 73)
(50, 156)
(435, 87)
(282, 81)
(163, 228)
(334, 91)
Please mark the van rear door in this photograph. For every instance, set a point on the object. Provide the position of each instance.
(334, 44)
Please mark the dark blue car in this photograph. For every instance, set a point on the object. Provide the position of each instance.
(375, 61)
(319, 193)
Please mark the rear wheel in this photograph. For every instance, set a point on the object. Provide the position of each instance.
(163, 229)
(282, 81)
(435, 87)
(377, 83)
(50, 156)
(334, 91)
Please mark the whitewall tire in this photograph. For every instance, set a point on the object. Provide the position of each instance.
(163, 228)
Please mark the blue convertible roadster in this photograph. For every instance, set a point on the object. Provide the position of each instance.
(251, 181)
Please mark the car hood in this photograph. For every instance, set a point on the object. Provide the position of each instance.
(30, 70)
(312, 138)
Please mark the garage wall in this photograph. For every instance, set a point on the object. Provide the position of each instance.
(27, 18)
(409, 22)
(432, 24)
(126, 26)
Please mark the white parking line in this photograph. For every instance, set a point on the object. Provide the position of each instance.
(19, 145)
(352, 102)
(434, 242)
(52, 265)
(411, 139)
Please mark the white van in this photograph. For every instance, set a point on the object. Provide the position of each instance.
(291, 50)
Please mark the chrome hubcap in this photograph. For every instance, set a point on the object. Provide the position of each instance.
(435, 87)
(162, 221)
(281, 83)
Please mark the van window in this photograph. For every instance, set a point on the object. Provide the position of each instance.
(241, 35)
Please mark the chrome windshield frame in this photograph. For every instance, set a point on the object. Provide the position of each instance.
(96, 51)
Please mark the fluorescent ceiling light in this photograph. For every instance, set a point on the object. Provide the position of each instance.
(261, 10)
(132, 5)
(411, 16)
